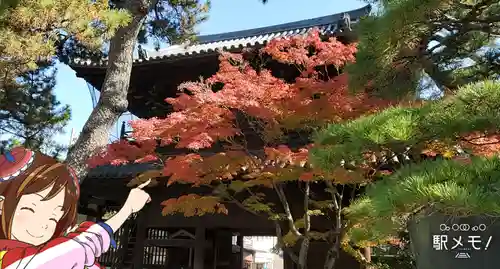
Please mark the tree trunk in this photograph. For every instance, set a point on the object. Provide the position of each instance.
(333, 254)
(113, 99)
(304, 250)
(304, 246)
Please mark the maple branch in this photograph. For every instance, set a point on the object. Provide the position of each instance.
(281, 244)
(286, 207)
(238, 126)
(333, 252)
(338, 214)
(307, 217)
(333, 192)
(251, 192)
(279, 233)
(238, 203)
(304, 249)
(304, 246)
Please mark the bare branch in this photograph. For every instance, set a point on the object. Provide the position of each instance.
(286, 207)
(304, 249)
(281, 244)
(307, 217)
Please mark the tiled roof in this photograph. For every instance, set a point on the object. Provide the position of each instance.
(247, 38)
(121, 171)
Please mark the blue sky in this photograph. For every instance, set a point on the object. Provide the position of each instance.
(225, 16)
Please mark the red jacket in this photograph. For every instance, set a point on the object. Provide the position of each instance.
(79, 249)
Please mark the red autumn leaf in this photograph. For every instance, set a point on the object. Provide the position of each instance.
(180, 169)
(203, 118)
(193, 205)
(122, 152)
(307, 176)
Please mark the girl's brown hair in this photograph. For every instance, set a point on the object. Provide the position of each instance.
(43, 173)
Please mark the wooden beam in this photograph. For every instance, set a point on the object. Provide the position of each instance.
(182, 243)
(199, 250)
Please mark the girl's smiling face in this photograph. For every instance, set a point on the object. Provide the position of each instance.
(35, 217)
(40, 203)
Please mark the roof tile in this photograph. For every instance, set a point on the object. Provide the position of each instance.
(208, 44)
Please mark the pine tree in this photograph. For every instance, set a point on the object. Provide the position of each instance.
(33, 30)
(442, 153)
(31, 33)
(412, 39)
(30, 113)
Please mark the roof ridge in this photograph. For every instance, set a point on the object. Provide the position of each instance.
(209, 44)
(318, 21)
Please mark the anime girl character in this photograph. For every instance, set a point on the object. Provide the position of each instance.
(38, 204)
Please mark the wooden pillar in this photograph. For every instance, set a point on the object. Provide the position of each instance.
(199, 248)
(239, 242)
(138, 257)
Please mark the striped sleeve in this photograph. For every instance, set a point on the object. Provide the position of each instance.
(77, 250)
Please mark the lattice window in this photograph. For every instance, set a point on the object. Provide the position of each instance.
(155, 233)
(154, 255)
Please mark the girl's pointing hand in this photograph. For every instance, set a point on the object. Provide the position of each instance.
(137, 198)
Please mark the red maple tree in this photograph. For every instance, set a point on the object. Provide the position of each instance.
(253, 103)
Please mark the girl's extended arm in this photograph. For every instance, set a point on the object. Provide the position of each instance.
(76, 250)
(119, 218)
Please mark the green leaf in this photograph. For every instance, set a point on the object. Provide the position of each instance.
(237, 186)
(315, 212)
